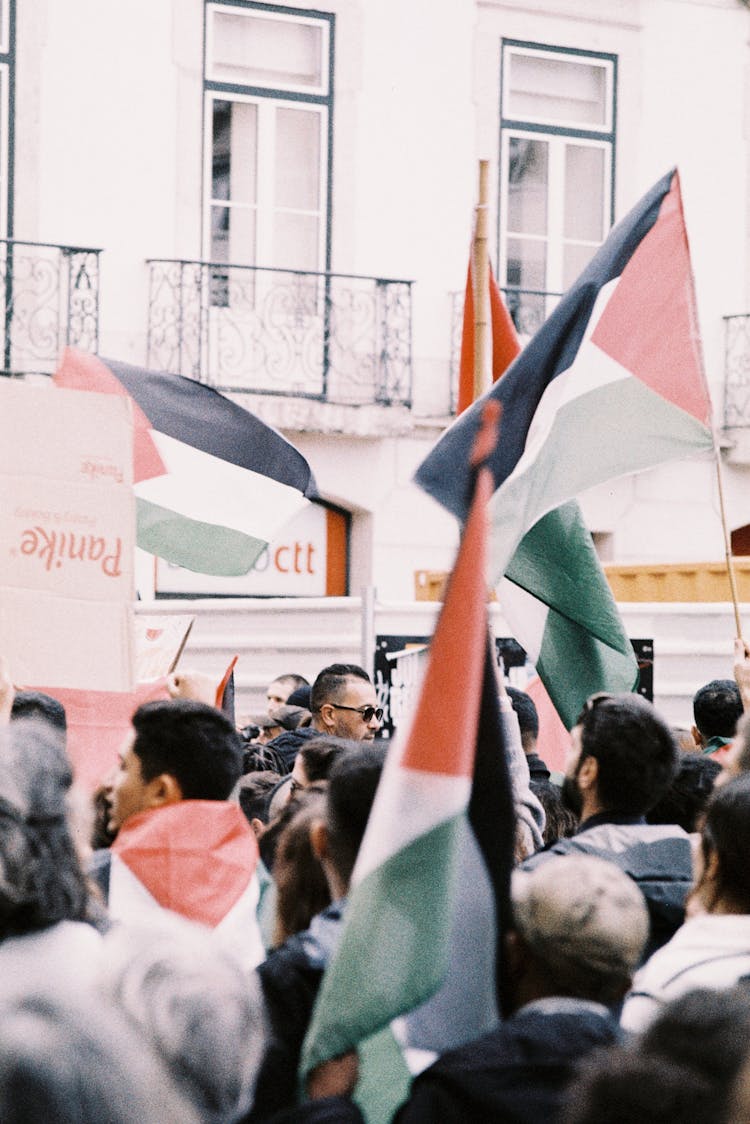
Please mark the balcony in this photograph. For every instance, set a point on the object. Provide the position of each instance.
(328, 337)
(49, 297)
(529, 308)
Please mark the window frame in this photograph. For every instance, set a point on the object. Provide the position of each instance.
(289, 95)
(557, 134)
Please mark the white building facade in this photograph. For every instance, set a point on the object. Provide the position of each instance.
(282, 199)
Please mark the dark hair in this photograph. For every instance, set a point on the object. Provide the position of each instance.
(319, 755)
(559, 821)
(726, 834)
(331, 682)
(35, 704)
(301, 886)
(41, 881)
(679, 1072)
(528, 717)
(192, 742)
(352, 785)
(254, 794)
(685, 800)
(717, 707)
(293, 680)
(635, 750)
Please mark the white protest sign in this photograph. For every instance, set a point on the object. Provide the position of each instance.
(67, 537)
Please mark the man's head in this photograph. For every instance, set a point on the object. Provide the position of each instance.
(622, 757)
(280, 689)
(528, 718)
(352, 784)
(579, 928)
(717, 707)
(177, 750)
(37, 704)
(343, 703)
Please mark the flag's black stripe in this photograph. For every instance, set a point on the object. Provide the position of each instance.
(199, 416)
(491, 808)
(548, 354)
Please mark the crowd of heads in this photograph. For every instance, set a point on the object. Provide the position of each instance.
(160, 1020)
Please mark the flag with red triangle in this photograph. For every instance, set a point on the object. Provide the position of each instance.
(433, 870)
(612, 383)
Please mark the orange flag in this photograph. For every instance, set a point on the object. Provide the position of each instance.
(505, 345)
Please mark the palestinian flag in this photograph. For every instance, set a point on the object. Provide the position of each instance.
(612, 383)
(213, 483)
(196, 858)
(432, 874)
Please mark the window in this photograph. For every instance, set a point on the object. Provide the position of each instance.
(268, 82)
(556, 171)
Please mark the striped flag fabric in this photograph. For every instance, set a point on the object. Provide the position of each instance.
(432, 874)
(612, 383)
(197, 858)
(213, 483)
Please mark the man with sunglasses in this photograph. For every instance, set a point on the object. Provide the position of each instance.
(622, 759)
(344, 704)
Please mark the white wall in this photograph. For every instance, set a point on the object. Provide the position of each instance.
(108, 153)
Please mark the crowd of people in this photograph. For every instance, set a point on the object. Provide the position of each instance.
(164, 940)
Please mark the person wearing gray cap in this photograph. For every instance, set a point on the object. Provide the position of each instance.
(579, 928)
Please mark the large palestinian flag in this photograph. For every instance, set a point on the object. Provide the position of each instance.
(432, 873)
(611, 384)
(213, 483)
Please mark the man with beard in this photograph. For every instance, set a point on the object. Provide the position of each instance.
(621, 761)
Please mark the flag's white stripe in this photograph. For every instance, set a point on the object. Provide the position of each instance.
(239, 931)
(129, 900)
(209, 489)
(526, 615)
(408, 804)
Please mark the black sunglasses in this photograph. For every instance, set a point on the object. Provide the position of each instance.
(367, 713)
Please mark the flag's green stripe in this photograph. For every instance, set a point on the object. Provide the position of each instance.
(609, 431)
(573, 664)
(384, 1080)
(394, 951)
(556, 562)
(202, 547)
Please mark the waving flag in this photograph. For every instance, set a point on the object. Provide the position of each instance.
(611, 384)
(214, 484)
(432, 873)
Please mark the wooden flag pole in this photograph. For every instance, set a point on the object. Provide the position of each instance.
(480, 280)
(727, 544)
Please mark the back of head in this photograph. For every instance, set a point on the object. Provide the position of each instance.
(36, 704)
(195, 1006)
(705, 1030)
(254, 794)
(726, 835)
(685, 800)
(330, 683)
(635, 750)
(301, 886)
(192, 742)
(41, 881)
(585, 923)
(528, 718)
(352, 785)
(717, 707)
(319, 755)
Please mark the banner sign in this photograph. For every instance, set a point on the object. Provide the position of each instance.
(67, 537)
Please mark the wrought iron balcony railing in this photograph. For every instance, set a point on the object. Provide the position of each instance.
(529, 308)
(329, 336)
(49, 297)
(737, 371)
